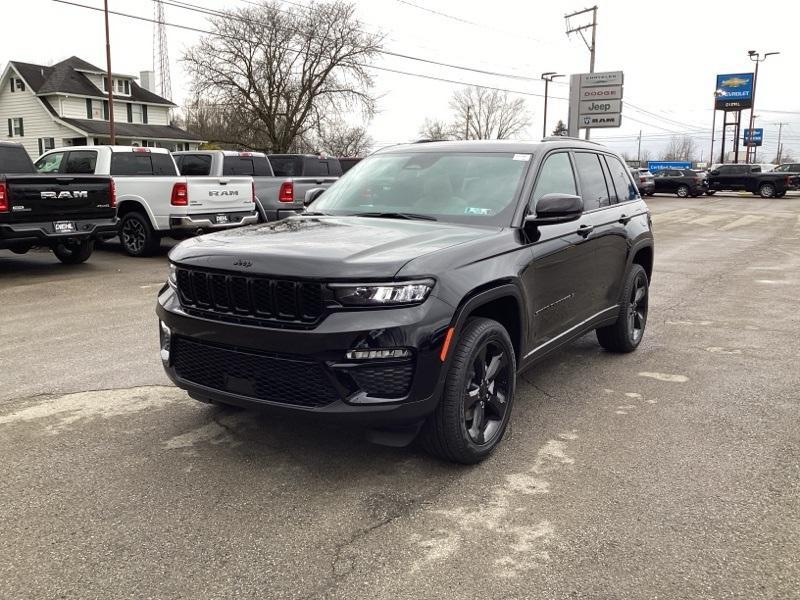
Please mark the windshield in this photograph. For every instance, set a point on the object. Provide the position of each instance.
(478, 188)
(788, 168)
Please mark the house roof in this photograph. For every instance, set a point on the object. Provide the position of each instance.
(134, 130)
(66, 77)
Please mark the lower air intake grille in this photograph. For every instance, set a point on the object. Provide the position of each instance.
(270, 377)
(385, 381)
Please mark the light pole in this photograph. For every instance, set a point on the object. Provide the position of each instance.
(756, 58)
(717, 94)
(547, 77)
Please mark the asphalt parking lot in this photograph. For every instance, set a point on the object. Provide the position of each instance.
(672, 473)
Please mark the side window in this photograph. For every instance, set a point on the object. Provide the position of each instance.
(593, 183)
(237, 165)
(81, 162)
(131, 163)
(555, 176)
(195, 164)
(163, 164)
(50, 163)
(261, 166)
(626, 190)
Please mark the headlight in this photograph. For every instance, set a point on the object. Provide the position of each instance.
(382, 294)
(173, 275)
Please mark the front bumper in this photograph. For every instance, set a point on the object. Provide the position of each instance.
(306, 370)
(209, 221)
(43, 233)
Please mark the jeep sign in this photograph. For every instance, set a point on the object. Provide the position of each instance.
(601, 106)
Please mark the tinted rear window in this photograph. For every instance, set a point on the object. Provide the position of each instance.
(195, 164)
(81, 162)
(142, 163)
(14, 160)
(246, 165)
(290, 166)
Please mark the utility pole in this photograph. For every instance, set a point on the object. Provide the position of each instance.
(579, 30)
(639, 149)
(548, 77)
(110, 86)
(466, 130)
(780, 148)
(756, 58)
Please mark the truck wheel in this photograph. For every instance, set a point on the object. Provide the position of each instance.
(137, 235)
(21, 249)
(682, 191)
(73, 254)
(711, 192)
(475, 407)
(626, 334)
(766, 190)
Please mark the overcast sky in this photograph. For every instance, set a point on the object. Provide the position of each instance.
(670, 54)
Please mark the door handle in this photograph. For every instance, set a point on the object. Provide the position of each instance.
(585, 230)
(223, 181)
(623, 218)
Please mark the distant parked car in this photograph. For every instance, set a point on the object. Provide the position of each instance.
(681, 182)
(304, 165)
(644, 181)
(349, 162)
(751, 178)
(788, 168)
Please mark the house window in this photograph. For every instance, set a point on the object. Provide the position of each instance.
(127, 87)
(105, 84)
(17, 85)
(15, 127)
(46, 144)
(88, 108)
(135, 113)
(144, 113)
(105, 109)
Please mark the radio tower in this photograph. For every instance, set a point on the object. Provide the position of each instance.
(160, 52)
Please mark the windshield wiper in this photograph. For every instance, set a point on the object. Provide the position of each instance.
(396, 215)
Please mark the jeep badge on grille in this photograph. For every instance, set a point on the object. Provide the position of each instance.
(241, 262)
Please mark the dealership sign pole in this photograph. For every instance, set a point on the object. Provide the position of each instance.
(734, 93)
(595, 100)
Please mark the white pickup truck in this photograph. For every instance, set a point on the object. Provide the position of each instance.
(153, 200)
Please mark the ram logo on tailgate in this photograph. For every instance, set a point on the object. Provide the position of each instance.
(223, 193)
(65, 194)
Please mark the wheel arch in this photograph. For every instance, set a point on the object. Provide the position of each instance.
(130, 205)
(642, 254)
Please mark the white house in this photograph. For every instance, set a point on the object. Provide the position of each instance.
(66, 104)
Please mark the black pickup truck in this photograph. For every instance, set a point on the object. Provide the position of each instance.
(64, 213)
(750, 178)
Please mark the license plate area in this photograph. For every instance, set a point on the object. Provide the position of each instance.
(63, 226)
(221, 219)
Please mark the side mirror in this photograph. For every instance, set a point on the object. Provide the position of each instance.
(312, 195)
(556, 208)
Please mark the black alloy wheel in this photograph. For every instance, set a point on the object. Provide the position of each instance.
(486, 394)
(767, 190)
(626, 333)
(136, 235)
(682, 191)
(637, 308)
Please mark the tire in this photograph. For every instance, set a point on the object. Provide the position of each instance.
(682, 191)
(475, 407)
(767, 190)
(74, 254)
(711, 192)
(781, 195)
(21, 249)
(650, 193)
(137, 235)
(626, 334)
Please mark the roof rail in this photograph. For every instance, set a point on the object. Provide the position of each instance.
(557, 138)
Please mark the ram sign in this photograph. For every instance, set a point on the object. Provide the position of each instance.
(734, 91)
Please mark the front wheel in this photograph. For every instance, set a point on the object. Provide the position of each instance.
(74, 254)
(137, 235)
(475, 407)
(682, 191)
(766, 190)
(710, 192)
(626, 334)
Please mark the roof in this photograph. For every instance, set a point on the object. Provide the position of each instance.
(66, 77)
(508, 146)
(118, 148)
(135, 130)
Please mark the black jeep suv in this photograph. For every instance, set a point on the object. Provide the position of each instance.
(413, 291)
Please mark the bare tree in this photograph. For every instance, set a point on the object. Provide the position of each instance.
(680, 148)
(645, 156)
(281, 72)
(484, 114)
(340, 139)
(434, 129)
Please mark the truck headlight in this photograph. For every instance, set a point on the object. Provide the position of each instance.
(382, 294)
(173, 275)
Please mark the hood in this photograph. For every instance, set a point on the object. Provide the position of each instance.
(324, 247)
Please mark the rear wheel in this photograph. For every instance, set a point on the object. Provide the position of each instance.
(682, 191)
(21, 249)
(73, 254)
(475, 407)
(137, 235)
(767, 190)
(710, 192)
(626, 334)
